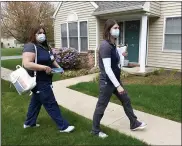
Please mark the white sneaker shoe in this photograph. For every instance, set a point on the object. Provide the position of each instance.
(27, 126)
(102, 135)
(69, 129)
(142, 126)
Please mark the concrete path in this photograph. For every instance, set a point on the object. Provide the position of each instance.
(160, 131)
(5, 73)
(10, 57)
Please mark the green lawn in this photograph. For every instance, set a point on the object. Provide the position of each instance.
(11, 64)
(14, 108)
(160, 100)
(11, 51)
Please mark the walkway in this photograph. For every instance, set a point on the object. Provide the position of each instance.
(10, 57)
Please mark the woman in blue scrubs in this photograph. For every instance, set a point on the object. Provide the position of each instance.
(42, 93)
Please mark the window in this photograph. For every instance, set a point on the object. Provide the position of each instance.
(75, 35)
(64, 35)
(172, 34)
(83, 36)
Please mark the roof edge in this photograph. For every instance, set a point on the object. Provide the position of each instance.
(57, 9)
(60, 3)
(137, 7)
(94, 5)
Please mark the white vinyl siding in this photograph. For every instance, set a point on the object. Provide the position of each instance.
(155, 7)
(84, 12)
(156, 56)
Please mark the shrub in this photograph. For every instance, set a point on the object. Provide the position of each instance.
(67, 58)
(122, 76)
(94, 70)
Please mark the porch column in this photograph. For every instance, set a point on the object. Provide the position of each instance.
(143, 43)
(97, 38)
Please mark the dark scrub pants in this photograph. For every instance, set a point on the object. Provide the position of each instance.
(106, 91)
(42, 93)
(107, 50)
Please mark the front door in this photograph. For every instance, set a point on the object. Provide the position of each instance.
(132, 31)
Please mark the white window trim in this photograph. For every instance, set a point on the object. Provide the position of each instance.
(164, 30)
(79, 40)
(123, 33)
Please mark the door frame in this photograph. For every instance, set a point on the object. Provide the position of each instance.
(139, 37)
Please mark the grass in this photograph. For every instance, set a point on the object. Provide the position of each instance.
(11, 64)
(146, 95)
(11, 51)
(14, 108)
(165, 78)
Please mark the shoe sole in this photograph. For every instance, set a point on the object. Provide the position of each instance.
(68, 131)
(98, 135)
(25, 127)
(103, 137)
(139, 128)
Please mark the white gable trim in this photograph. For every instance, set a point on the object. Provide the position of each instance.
(72, 16)
(60, 3)
(94, 4)
(57, 9)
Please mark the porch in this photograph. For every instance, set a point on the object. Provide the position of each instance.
(136, 70)
(133, 32)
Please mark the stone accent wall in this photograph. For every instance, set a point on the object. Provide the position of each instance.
(88, 59)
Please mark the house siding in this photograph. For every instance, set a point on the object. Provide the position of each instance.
(84, 12)
(155, 8)
(156, 57)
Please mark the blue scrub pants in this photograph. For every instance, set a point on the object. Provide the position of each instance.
(45, 96)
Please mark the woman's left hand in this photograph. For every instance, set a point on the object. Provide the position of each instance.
(125, 54)
(61, 72)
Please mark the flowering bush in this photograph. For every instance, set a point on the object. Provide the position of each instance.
(67, 58)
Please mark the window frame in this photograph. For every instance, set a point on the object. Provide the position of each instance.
(79, 38)
(164, 33)
(66, 35)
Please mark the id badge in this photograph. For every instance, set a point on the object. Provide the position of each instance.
(51, 56)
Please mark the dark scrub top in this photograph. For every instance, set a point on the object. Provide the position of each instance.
(43, 58)
(109, 50)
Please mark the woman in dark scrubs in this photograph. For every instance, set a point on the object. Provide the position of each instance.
(42, 93)
(110, 70)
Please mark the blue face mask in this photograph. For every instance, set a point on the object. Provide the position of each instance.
(40, 37)
(115, 33)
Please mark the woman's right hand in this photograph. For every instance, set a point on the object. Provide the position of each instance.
(120, 90)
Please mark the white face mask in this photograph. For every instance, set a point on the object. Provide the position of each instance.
(40, 37)
(115, 33)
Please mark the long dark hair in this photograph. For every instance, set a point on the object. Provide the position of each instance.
(32, 36)
(107, 27)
